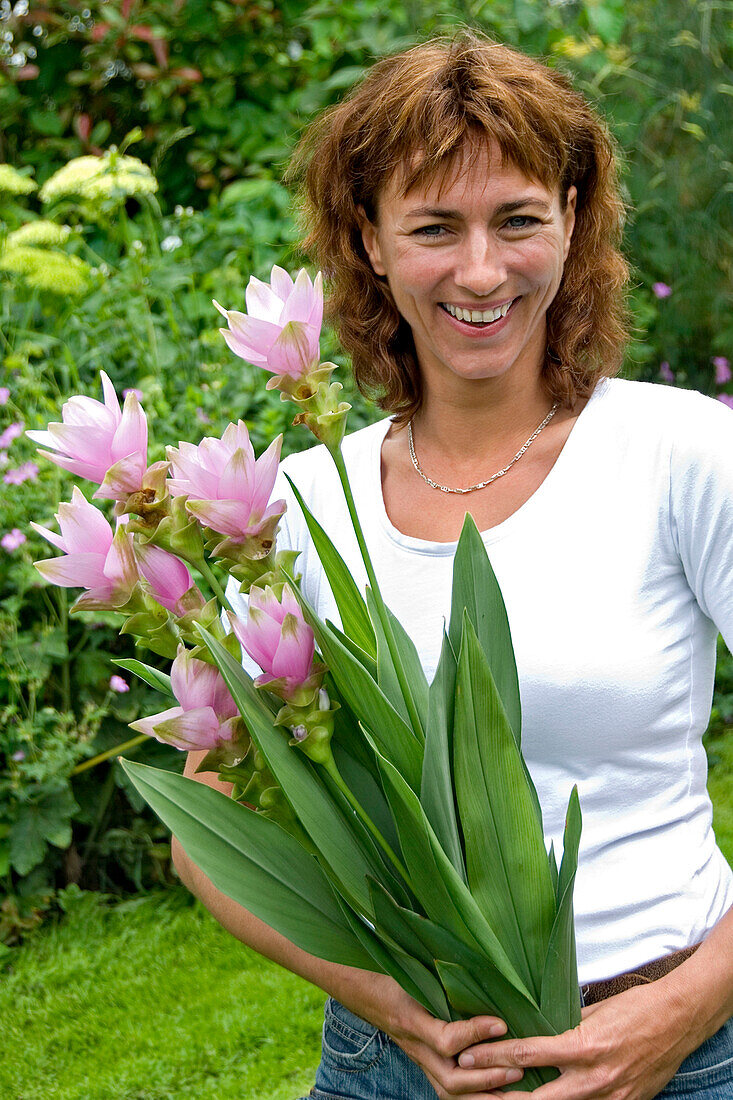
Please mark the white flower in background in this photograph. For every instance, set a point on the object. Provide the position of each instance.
(170, 244)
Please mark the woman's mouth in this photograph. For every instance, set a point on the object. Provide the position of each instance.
(477, 319)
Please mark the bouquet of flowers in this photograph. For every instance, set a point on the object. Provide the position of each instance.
(376, 820)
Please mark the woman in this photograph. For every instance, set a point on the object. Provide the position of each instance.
(463, 203)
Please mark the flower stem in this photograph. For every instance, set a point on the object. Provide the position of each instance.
(331, 769)
(208, 572)
(114, 751)
(381, 608)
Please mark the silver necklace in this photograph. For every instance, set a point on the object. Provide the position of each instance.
(499, 473)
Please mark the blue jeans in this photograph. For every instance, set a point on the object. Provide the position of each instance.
(361, 1063)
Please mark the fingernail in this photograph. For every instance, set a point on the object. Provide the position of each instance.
(496, 1029)
(513, 1075)
(466, 1061)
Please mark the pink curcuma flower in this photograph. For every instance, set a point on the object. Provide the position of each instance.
(207, 715)
(227, 489)
(99, 442)
(282, 328)
(95, 558)
(661, 290)
(278, 638)
(13, 540)
(723, 372)
(171, 583)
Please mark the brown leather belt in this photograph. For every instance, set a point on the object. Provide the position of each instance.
(650, 972)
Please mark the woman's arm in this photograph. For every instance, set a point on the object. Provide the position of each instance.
(630, 1046)
(432, 1043)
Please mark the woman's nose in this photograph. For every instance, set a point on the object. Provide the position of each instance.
(480, 268)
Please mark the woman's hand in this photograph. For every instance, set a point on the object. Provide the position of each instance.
(433, 1044)
(626, 1048)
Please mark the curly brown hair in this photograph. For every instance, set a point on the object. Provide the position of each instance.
(414, 113)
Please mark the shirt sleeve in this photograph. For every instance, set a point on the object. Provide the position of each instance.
(701, 507)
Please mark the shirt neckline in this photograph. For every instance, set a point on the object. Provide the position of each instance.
(500, 530)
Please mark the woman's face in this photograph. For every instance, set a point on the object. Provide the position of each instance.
(473, 265)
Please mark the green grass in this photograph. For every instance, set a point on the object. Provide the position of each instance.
(152, 1000)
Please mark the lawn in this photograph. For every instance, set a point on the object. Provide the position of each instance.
(152, 1000)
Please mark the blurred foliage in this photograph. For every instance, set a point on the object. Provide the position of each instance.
(142, 147)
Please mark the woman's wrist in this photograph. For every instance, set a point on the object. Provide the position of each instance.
(701, 988)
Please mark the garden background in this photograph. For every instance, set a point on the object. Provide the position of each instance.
(112, 983)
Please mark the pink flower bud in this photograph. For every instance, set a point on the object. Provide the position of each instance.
(282, 328)
(207, 715)
(118, 684)
(99, 442)
(169, 579)
(661, 290)
(226, 488)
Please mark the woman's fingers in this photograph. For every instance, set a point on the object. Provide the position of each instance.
(452, 1038)
(551, 1050)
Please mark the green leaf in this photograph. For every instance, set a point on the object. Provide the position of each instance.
(560, 1000)
(440, 891)
(463, 990)
(500, 997)
(408, 656)
(476, 589)
(152, 676)
(45, 820)
(349, 600)
(406, 971)
(331, 830)
(253, 861)
(436, 791)
(366, 700)
(363, 658)
(506, 860)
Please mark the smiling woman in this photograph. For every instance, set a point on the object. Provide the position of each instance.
(463, 203)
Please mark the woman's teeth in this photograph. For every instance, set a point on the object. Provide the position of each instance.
(477, 316)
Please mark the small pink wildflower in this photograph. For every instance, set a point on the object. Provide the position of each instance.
(27, 471)
(723, 372)
(4, 395)
(118, 684)
(661, 290)
(13, 540)
(666, 372)
(726, 398)
(11, 432)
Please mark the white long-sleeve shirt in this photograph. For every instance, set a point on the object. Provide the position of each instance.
(617, 575)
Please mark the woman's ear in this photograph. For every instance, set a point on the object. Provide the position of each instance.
(370, 240)
(569, 217)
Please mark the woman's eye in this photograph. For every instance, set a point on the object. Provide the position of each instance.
(521, 221)
(430, 230)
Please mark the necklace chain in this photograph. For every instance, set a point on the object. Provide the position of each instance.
(499, 473)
